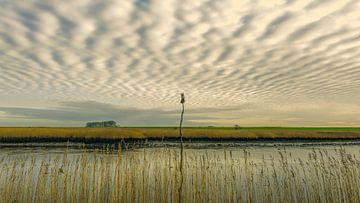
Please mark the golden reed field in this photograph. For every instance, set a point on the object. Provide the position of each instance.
(152, 175)
(172, 132)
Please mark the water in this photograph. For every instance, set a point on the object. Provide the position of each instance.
(212, 172)
(258, 149)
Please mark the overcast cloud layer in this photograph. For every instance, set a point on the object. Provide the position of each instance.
(247, 62)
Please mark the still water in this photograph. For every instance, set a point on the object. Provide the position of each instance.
(258, 149)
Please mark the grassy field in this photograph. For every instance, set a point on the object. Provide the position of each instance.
(18, 134)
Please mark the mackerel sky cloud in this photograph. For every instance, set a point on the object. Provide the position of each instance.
(246, 62)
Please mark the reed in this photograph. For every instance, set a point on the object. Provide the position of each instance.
(142, 134)
(151, 175)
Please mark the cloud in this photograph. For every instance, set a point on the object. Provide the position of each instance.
(71, 113)
(142, 54)
(80, 112)
(77, 113)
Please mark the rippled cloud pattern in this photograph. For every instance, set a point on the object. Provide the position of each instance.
(295, 62)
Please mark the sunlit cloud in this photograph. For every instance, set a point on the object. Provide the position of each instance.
(138, 54)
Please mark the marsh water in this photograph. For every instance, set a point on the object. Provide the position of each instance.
(212, 171)
(258, 150)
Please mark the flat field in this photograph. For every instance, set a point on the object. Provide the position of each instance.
(39, 133)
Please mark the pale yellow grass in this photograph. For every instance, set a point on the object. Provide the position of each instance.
(143, 133)
(153, 176)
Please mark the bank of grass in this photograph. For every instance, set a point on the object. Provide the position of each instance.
(98, 134)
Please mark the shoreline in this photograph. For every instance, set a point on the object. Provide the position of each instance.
(82, 140)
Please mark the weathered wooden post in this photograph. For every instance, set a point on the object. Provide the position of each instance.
(182, 101)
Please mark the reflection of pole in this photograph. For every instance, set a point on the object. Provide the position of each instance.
(181, 145)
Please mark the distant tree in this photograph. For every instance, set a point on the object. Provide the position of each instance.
(101, 124)
(237, 127)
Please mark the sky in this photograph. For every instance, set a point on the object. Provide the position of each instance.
(245, 62)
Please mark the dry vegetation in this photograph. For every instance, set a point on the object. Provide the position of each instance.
(152, 176)
(145, 133)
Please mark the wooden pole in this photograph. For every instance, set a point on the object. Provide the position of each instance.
(182, 101)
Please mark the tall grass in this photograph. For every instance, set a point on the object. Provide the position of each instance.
(81, 134)
(151, 175)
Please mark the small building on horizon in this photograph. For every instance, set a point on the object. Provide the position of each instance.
(101, 124)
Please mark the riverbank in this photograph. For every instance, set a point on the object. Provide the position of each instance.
(134, 134)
